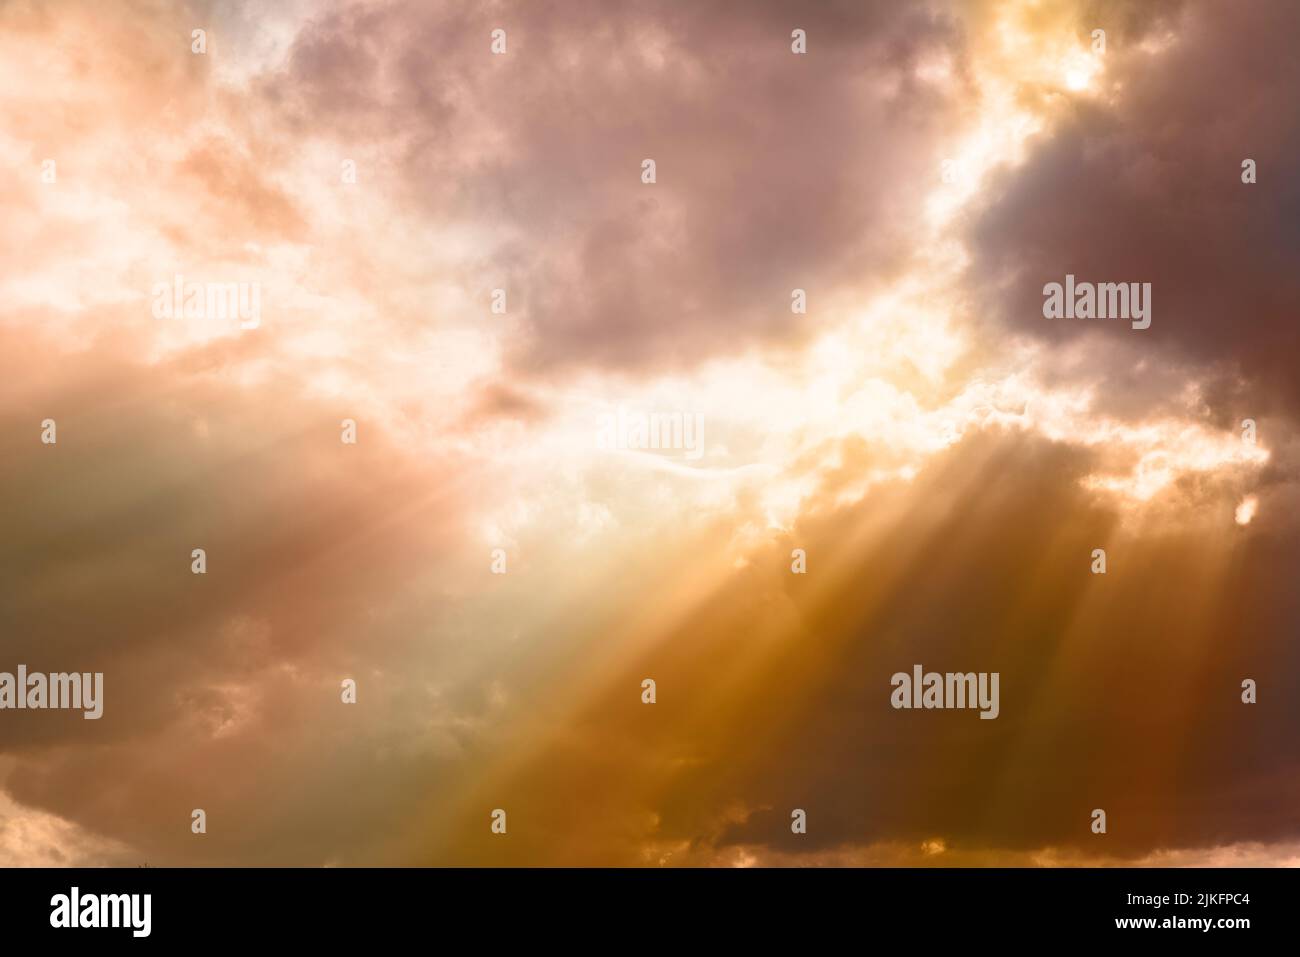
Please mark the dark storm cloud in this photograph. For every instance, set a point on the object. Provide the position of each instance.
(1148, 189)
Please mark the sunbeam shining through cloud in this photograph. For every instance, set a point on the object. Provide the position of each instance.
(614, 414)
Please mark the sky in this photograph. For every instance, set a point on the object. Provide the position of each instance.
(415, 469)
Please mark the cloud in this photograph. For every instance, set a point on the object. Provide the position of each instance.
(1141, 182)
(222, 690)
(947, 458)
(769, 164)
(34, 839)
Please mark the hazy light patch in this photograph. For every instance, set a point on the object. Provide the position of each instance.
(1166, 451)
(34, 838)
(1079, 70)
